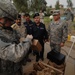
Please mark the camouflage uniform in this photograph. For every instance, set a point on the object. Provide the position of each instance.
(69, 19)
(22, 32)
(58, 34)
(20, 29)
(68, 15)
(11, 52)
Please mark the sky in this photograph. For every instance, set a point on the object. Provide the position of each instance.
(64, 2)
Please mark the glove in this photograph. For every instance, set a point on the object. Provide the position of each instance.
(30, 37)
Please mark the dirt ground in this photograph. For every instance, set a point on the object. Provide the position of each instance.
(70, 64)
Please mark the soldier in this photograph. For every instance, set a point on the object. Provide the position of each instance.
(58, 32)
(68, 14)
(69, 19)
(21, 29)
(39, 33)
(11, 50)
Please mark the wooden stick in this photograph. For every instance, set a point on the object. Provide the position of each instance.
(51, 67)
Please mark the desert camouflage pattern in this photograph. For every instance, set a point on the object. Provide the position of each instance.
(58, 31)
(12, 52)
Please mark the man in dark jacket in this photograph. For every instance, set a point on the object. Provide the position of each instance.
(28, 24)
(39, 33)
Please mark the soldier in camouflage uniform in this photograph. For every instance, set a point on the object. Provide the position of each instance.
(69, 19)
(20, 28)
(68, 14)
(11, 50)
(58, 31)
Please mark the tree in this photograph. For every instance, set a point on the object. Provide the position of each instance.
(30, 5)
(70, 4)
(37, 5)
(57, 5)
(48, 10)
(21, 5)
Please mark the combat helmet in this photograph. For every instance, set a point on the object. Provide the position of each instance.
(7, 9)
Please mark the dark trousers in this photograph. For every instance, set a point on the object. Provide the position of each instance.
(40, 55)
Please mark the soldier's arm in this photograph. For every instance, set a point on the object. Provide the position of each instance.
(65, 32)
(15, 52)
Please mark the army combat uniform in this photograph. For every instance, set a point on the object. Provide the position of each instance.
(12, 51)
(58, 32)
(21, 31)
(69, 18)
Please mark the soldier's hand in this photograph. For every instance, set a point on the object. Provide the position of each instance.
(62, 44)
(22, 39)
(30, 37)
